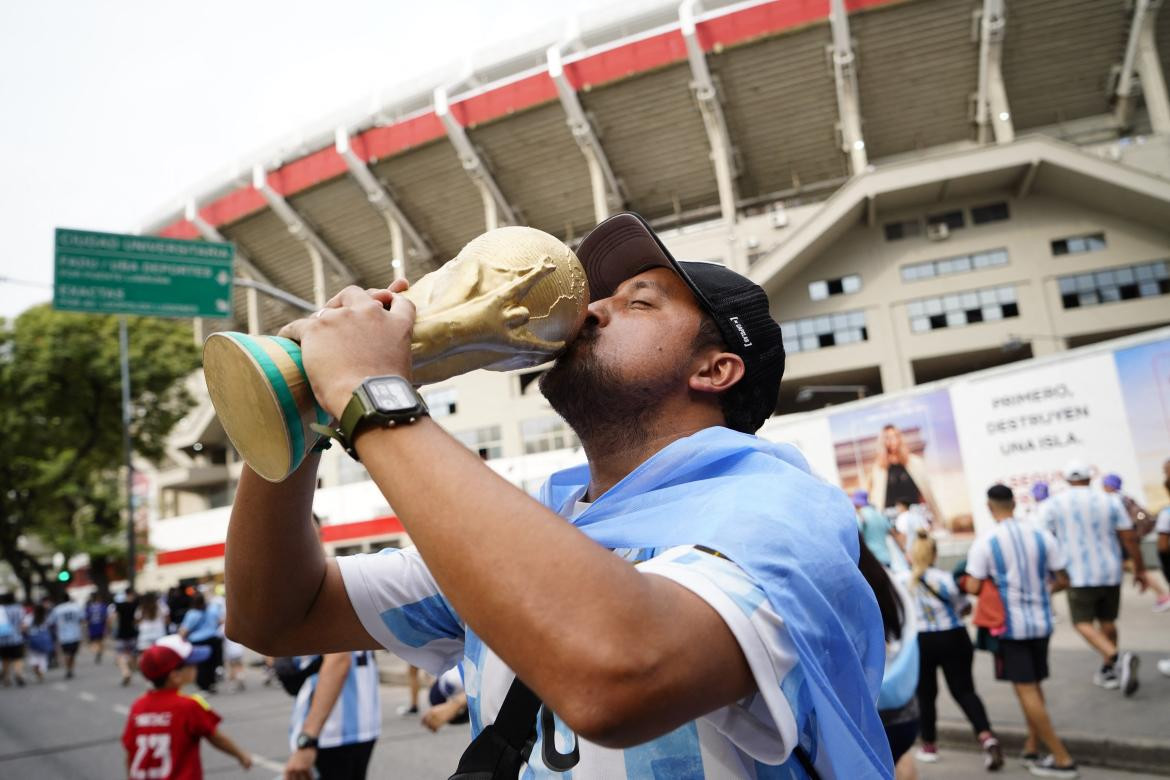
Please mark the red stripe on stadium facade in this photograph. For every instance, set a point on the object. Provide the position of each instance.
(379, 526)
(622, 60)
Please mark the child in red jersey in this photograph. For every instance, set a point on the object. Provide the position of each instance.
(165, 725)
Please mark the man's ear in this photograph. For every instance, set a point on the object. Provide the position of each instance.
(716, 372)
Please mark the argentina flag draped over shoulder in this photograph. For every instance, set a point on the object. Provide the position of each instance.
(795, 535)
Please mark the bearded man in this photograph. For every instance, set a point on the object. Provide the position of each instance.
(686, 604)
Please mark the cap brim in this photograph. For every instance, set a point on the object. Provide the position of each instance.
(199, 654)
(624, 246)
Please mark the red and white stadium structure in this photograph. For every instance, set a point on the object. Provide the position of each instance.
(803, 142)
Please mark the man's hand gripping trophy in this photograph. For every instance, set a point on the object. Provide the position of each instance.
(512, 298)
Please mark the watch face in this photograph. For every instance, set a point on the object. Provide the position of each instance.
(390, 394)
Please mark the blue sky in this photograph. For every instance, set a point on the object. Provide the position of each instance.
(114, 110)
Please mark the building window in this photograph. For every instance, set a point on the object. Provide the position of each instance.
(992, 212)
(846, 285)
(545, 434)
(441, 402)
(1148, 280)
(952, 219)
(486, 441)
(827, 330)
(956, 310)
(929, 269)
(1075, 245)
(895, 231)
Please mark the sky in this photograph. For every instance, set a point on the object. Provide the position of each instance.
(115, 111)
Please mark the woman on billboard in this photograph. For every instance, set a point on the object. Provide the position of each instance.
(900, 475)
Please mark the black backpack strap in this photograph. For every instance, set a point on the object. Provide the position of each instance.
(806, 763)
(502, 747)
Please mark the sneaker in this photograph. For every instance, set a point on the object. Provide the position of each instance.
(928, 753)
(1029, 759)
(404, 711)
(1107, 678)
(1162, 604)
(1129, 670)
(19, 681)
(992, 754)
(1048, 768)
(1164, 666)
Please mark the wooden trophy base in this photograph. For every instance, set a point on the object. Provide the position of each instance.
(262, 397)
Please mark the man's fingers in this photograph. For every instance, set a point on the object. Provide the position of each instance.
(294, 330)
(402, 310)
(399, 285)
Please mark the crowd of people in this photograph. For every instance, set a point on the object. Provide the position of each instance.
(1081, 539)
(52, 632)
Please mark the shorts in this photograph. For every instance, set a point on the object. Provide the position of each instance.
(1022, 660)
(38, 661)
(70, 648)
(12, 652)
(126, 646)
(1100, 602)
(97, 633)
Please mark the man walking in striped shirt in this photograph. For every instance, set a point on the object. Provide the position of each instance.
(1091, 526)
(1020, 560)
(336, 719)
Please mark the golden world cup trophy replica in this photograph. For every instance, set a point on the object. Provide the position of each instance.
(512, 298)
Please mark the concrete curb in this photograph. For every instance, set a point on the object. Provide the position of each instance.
(1135, 755)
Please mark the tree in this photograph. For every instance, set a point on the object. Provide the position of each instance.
(61, 422)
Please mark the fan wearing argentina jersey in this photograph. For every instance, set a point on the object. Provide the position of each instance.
(943, 643)
(336, 719)
(687, 603)
(1021, 560)
(1092, 526)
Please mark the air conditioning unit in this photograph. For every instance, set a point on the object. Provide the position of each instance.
(778, 216)
(938, 231)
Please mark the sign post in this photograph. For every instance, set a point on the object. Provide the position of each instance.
(111, 273)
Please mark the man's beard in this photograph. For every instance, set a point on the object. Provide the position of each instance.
(606, 412)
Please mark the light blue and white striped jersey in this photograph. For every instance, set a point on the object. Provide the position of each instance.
(67, 618)
(1018, 558)
(13, 619)
(357, 715)
(1086, 521)
(401, 606)
(934, 614)
(1162, 524)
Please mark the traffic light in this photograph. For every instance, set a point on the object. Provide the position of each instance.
(64, 576)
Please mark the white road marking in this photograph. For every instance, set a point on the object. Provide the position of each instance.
(267, 763)
(86, 696)
(121, 709)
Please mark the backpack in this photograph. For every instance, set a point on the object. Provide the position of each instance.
(292, 675)
(40, 640)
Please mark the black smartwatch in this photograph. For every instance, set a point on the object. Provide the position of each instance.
(383, 401)
(305, 741)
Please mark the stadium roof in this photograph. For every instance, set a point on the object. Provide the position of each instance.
(917, 64)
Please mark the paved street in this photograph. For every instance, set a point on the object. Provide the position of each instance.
(70, 730)
(1084, 715)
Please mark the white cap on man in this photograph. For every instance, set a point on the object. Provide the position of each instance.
(1077, 471)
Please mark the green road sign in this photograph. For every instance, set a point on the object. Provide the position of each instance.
(162, 277)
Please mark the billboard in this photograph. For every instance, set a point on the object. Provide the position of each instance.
(943, 445)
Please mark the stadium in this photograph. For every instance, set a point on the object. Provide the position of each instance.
(925, 188)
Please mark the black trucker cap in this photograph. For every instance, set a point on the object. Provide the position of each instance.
(625, 245)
